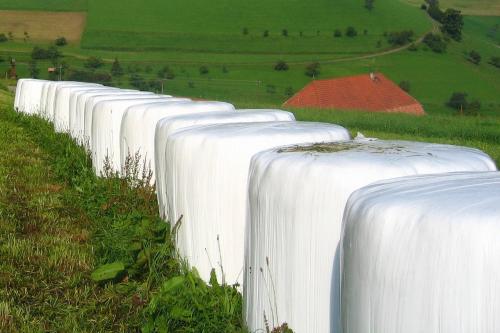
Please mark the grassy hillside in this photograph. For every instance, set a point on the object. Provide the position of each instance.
(204, 25)
(49, 5)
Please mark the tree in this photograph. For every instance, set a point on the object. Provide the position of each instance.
(351, 32)
(495, 61)
(284, 32)
(312, 70)
(474, 57)
(435, 12)
(369, 4)
(452, 23)
(457, 101)
(116, 68)
(61, 41)
(203, 70)
(399, 38)
(337, 33)
(435, 42)
(3, 38)
(405, 85)
(94, 63)
(289, 92)
(166, 73)
(266, 33)
(138, 82)
(33, 69)
(51, 53)
(423, 6)
(281, 66)
(245, 31)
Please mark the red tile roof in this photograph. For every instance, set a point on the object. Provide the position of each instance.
(361, 92)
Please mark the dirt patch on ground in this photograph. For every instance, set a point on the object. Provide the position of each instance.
(43, 25)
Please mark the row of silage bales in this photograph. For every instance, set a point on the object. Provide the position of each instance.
(207, 178)
(62, 104)
(297, 198)
(85, 105)
(168, 126)
(422, 254)
(141, 144)
(107, 118)
(77, 105)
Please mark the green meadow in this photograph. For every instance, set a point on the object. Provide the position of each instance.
(49, 5)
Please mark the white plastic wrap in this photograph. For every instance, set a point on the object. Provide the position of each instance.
(297, 198)
(422, 254)
(29, 95)
(78, 97)
(49, 97)
(207, 178)
(62, 104)
(146, 117)
(107, 118)
(169, 126)
(87, 111)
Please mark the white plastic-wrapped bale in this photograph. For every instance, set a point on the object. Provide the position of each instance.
(207, 178)
(28, 96)
(62, 104)
(169, 126)
(107, 118)
(92, 101)
(297, 198)
(49, 97)
(78, 97)
(146, 117)
(422, 254)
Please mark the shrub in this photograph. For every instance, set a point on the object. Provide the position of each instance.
(351, 32)
(33, 69)
(312, 70)
(369, 4)
(458, 101)
(51, 53)
(225, 69)
(289, 92)
(266, 33)
(116, 68)
(61, 41)
(435, 42)
(337, 33)
(3, 38)
(281, 66)
(203, 70)
(399, 38)
(423, 6)
(495, 61)
(474, 57)
(93, 63)
(435, 12)
(452, 24)
(166, 73)
(284, 32)
(405, 85)
(245, 31)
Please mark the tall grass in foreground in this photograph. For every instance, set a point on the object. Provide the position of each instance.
(87, 227)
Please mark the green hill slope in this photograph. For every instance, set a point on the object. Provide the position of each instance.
(210, 26)
(49, 5)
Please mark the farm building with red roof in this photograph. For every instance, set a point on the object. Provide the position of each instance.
(369, 92)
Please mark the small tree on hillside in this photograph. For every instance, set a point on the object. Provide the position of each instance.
(245, 31)
(33, 69)
(166, 73)
(474, 57)
(312, 70)
(458, 101)
(266, 33)
(281, 66)
(435, 42)
(351, 32)
(3, 38)
(93, 63)
(61, 41)
(495, 61)
(369, 4)
(289, 92)
(452, 23)
(337, 33)
(116, 68)
(203, 70)
(284, 32)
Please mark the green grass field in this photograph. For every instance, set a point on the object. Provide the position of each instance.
(210, 26)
